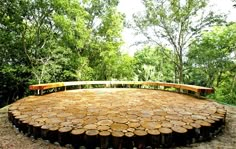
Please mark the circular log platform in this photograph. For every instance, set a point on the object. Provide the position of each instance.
(118, 118)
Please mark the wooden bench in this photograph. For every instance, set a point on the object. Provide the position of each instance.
(41, 87)
(198, 90)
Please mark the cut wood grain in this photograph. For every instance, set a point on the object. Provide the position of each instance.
(118, 118)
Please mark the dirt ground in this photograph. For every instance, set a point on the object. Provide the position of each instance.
(10, 138)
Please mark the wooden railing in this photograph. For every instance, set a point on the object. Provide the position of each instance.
(198, 90)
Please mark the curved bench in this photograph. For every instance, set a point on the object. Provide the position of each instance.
(198, 90)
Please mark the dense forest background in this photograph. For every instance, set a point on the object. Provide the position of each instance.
(45, 41)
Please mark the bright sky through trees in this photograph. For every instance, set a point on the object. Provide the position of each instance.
(129, 7)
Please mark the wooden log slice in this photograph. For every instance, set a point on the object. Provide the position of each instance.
(198, 117)
(63, 115)
(179, 129)
(91, 120)
(140, 133)
(103, 128)
(185, 113)
(49, 115)
(160, 113)
(195, 125)
(34, 117)
(188, 127)
(158, 118)
(54, 121)
(131, 129)
(133, 120)
(77, 131)
(132, 116)
(166, 124)
(121, 120)
(129, 134)
(77, 121)
(221, 111)
(117, 134)
(41, 120)
(104, 139)
(173, 117)
(105, 133)
(188, 120)
(119, 127)
(64, 136)
(101, 117)
(165, 130)
(203, 123)
(90, 126)
(13, 107)
(150, 125)
(133, 125)
(153, 132)
(177, 123)
(92, 140)
(105, 122)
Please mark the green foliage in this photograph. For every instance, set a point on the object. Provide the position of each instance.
(60, 40)
(212, 62)
(151, 64)
(174, 23)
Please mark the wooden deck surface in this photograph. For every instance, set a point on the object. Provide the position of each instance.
(111, 116)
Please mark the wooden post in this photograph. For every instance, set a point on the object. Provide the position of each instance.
(154, 138)
(64, 136)
(190, 133)
(128, 140)
(204, 130)
(179, 136)
(166, 137)
(37, 130)
(44, 132)
(196, 127)
(53, 134)
(92, 138)
(117, 139)
(140, 138)
(104, 139)
(77, 136)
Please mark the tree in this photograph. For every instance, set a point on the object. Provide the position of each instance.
(174, 23)
(152, 64)
(47, 41)
(213, 56)
(214, 53)
(102, 49)
(54, 31)
(13, 65)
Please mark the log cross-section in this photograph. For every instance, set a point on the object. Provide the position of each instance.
(118, 118)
